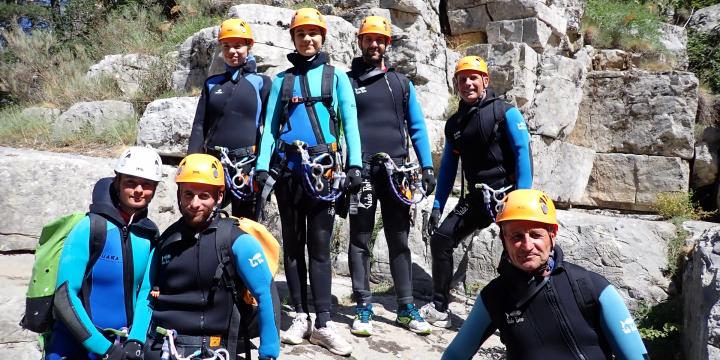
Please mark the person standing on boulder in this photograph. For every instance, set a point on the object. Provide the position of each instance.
(308, 105)
(543, 306)
(389, 117)
(491, 139)
(229, 115)
(108, 287)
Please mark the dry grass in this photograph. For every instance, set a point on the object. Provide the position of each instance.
(464, 41)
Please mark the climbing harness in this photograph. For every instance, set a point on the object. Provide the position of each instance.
(405, 180)
(325, 166)
(241, 183)
(119, 335)
(491, 196)
(169, 351)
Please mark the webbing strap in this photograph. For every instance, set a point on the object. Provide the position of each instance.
(326, 97)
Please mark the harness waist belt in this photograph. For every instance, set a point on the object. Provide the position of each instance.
(312, 150)
(368, 158)
(189, 340)
(236, 153)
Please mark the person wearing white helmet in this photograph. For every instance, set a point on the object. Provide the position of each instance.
(103, 264)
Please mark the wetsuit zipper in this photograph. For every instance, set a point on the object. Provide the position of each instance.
(564, 326)
(197, 277)
(128, 273)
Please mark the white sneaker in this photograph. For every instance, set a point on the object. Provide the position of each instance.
(300, 329)
(329, 338)
(409, 317)
(436, 318)
(362, 325)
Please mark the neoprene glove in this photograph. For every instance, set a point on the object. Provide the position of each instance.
(428, 180)
(261, 177)
(114, 353)
(433, 221)
(133, 350)
(354, 180)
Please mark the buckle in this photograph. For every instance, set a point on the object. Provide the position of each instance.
(297, 99)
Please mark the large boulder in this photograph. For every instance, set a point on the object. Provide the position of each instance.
(127, 70)
(473, 16)
(166, 125)
(558, 94)
(99, 116)
(47, 115)
(530, 31)
(194, 58)
(632, 182)
(561, 169)
(638, 112)
(14, 274)
(48, 185)
(701, 298)
(705, 164)
(674, 39)
(706, 20)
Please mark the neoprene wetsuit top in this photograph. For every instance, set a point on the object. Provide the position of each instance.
(119, 284)
(190, 299)
(306, 123)
(230, 110)
(385, 116)
(550, 324)
(492, 151)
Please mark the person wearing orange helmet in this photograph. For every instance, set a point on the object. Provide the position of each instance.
(543, 306)
(228, 120)
(389, 118)
(308, 105)
(491, 139)
(194, 294)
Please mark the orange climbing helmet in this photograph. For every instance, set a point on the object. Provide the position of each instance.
(474, 63)
(376, 25)
(309, 16)
(235, 29)
(201, 169)
(528, 204)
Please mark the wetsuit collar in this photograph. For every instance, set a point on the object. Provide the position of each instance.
(305, 63)
(363, 71)
(181, 230)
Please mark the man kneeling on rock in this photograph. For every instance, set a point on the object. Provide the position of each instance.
(545, 308)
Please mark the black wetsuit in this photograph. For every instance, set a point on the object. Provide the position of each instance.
(389, 115)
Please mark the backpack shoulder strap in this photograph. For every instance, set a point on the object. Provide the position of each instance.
(326, 93)
(287, 85)
(584, 292)
(96, 242)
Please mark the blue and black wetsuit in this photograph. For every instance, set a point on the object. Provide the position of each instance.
(198, 305)
(492, 140)
(230, 114)
(550, 324)
(305, 219)
(113, 294)
(389, 116)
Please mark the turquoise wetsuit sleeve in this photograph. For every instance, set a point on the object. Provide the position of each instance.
(255, 273)
(143, 312)
(471, 335)
(71, 271)
(418, 130)
(446, 178)
(271, 125)
(619, 327)
(520, 143)
(348, 116)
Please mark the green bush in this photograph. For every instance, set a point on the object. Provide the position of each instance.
(627, 25)
(704, 56)
(659, 326)
(679, 205)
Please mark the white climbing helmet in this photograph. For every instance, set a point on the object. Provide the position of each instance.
(141, 162)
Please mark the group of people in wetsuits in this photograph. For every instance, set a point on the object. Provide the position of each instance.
(326, 141)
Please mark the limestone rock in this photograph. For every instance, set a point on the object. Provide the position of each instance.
(701, 298)
(705, 165)
(530, 31)
(632, 182)
(513, 70)
(611, 59)
(128, 70)
(706, 20)
(473, 16)
(558, 94)
(194, 58)
(674, 39)
(99, 116)
(48, 185)
(166, 125)
(561, 169)
(639, 113)
(47, 115)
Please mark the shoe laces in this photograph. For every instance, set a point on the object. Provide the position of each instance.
(364, 313)
(412, 311)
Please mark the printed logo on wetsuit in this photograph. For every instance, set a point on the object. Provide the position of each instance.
(165, 259)
(360, 90)
(110, 257)
(628, 325)
(457, 135)
(219, 91)
(256, 260)
(514, 317)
